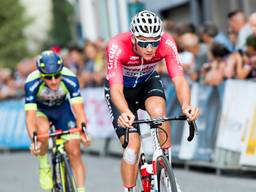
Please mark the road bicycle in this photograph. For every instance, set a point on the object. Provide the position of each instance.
(62, 175)
(157, 175)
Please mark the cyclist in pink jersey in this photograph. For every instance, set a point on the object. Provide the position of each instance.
(132, 83)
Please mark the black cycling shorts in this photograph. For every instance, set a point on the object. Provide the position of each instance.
(135, 98)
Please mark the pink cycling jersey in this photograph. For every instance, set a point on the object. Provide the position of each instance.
(130, 69)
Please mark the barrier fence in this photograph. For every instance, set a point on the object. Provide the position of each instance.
(227, 124)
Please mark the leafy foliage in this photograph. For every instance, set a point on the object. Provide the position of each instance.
(12, 40)
(61, 33)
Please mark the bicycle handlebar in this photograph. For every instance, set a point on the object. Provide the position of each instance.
(58, 133)
(154, 123)
(37, 137)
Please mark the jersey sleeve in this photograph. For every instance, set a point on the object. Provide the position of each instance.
(170, 53)
(72, 84)
(114, 53)
(31, 88)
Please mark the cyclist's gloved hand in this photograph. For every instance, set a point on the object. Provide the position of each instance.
(35, 151)
(191, 112)
(126, 119)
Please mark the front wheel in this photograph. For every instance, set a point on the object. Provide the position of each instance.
(165, 176)
(70, 184)
(59, 179)
(64, 180)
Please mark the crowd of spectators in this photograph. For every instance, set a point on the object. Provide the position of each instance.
(211, 56)
(208, 55)
(87, 62)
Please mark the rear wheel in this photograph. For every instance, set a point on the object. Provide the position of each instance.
(165, 176)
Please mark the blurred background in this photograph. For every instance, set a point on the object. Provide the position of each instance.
(216, 41)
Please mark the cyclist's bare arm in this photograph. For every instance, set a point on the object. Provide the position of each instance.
(31, 127)
(78, 110)
(183, 94)
(117, 96)
(31, 122)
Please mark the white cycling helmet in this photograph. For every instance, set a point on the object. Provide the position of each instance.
(146, 24)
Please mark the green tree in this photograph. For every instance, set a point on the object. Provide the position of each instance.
(62, 26)
(12, 40)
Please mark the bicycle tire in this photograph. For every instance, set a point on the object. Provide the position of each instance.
(58, 173)
(165, 176)
(70, 184)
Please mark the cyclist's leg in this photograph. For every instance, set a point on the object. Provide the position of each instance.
(155, 104)
(155, 107)
(128, 166)
(42, 127)
(72, 148)
(45, 171)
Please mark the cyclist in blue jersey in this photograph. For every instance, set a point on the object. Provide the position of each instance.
(52, 95)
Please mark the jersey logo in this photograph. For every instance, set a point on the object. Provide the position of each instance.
(174, 48)
(30, 98)
(34, 86)
(134, 57)
(170, 44)
(132, 62)
(76, 94)
(71, 124)
(113, 55)
(70, 82)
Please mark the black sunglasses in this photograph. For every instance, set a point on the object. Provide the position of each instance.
(145, 44)
(49, 77)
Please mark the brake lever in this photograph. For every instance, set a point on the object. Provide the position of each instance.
(192, 130)
(126, 138)
(35, 140)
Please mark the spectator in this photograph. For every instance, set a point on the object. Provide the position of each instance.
(179, 30)
(94, 71)
(238, 23)
(75, 60)
(214, 72)
(252, 22)
(7, 85)
(232, 36)
(187, 59)
(169, 26)
(210, 33)
(190, 43)
(246, 61)
(24, 67)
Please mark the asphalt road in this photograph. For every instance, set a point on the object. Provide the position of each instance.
(18, 172)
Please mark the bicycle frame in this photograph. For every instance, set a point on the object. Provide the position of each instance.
(58, 155)
(156, 153)
(157, 150)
